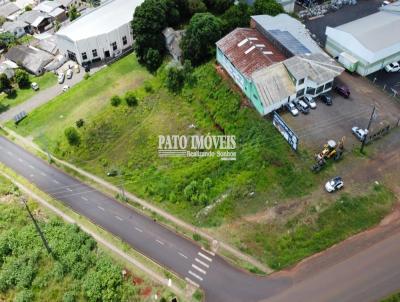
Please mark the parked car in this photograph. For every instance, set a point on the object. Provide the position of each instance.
(77, 69)
(359, 133)
(343, 90)
(303, 107)
(384, 3)
(393, 67)
(61, 78)
(310, 102)
(292, 108)
(69, 73)
(86, 66)
(35, 86)
(326, 98)
(65, 88)
(334, 184)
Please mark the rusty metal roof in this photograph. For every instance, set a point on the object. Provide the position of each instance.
(248, 50)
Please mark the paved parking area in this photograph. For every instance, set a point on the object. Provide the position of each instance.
(336, 121)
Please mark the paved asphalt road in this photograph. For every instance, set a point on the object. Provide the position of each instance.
(364, 277)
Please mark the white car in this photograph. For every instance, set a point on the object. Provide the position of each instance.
(61, 77)
(77, 69)
(310, 102)
(359, 133)
(384, 3)
(292, 108)
(69, 73)
(334, 184)
(393, 67)
(35, 86)
(65, 88)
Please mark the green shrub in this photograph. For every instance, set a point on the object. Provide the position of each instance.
(80, 123)
(131, 99)
(72, 136)
(115, 101)
(22, 79)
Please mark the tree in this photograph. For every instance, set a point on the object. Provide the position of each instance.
(22, 78)
(5, 83)
(175, 79)
(73, 13)
(190, 78)
(196, 6)
(131, 99)
(236, 16)
(28, 8)
(153, 59)
(198, 43)
(267, 7)
(218, 6)
(6, 39)
(2, 20)
(72, 136)
(115, 101)
(148, 22)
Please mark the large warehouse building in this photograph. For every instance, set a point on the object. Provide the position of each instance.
(103, 33)
(367, 44)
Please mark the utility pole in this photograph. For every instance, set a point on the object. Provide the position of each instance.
(37, 227)
(369, 125)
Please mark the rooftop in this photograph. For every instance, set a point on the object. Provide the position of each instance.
(101, 20)
(31, 58)
(248, 50)
(284, 26)
(47, 6)
(8, 9)
(318, 67)
(375, 32)
(273, 84)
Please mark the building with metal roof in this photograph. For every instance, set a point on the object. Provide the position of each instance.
(271, 74)
(368, 44)
(8, 9)
(30, 58)
(102, 33)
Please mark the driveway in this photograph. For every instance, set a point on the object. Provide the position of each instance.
(40, 98)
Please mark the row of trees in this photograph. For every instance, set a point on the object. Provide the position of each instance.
(21, 79)
(208, 20)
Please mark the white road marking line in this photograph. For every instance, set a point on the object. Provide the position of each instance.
(20, 160)
(84, 198)
(192, 282)
(139, 230)
(32, 167)
(207, 251)
(119, 218)
(205, 257)
(101, 208)
(184, 256)
(43, 174)
(199, 269)
(202, 263)
(69, 189)
(160, 242)
(55, 181)
(196, 276)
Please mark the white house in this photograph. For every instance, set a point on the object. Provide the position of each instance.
(103, 33)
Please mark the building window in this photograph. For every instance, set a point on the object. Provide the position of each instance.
(94, 52)
(114, 45)
(84, 56)
(124, 40)
(301, 81)
(310, 91)
(328, 85)
(300, 93)
(320, 89)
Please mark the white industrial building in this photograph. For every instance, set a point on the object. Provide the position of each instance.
(368, 44)
(103, 33)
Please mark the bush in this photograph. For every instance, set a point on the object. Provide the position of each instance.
(175, 79)
(86, 76)
(24, 296)
(115, 101)
(80, 123)
(131, 99)
(72, 136)
(22, 79)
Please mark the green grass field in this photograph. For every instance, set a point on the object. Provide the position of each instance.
(393, 298)
(77, 270)
(45, 81)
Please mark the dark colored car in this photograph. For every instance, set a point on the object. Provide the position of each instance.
(326, 98)
(343, 90)
(86, 66)
(302, 107)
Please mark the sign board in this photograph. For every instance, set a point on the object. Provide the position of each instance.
(286, 132)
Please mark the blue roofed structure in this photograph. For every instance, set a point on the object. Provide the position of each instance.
(289, 42)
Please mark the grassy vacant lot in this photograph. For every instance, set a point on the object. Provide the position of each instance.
(45, 81)
(207, 192)
(77, 271)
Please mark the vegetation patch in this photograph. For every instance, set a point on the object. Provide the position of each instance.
(77, 270)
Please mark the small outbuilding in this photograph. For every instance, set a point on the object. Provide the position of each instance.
(30, 58)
